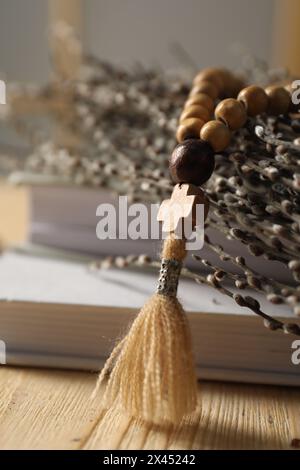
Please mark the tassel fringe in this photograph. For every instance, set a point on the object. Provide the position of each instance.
(151, 371)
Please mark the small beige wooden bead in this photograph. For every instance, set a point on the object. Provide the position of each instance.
(229, 82)
(254, 99)
(206, 87)
(228, 85)
(232, 113)
(216, 134)
(235, 86)
(189, 129)
(195, 111)
(293, 107)
(289, 88)
(212, 75)
(201, 99)
(279, 100)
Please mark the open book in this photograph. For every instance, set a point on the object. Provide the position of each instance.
(55, 312)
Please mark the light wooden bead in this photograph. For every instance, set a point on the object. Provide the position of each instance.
(228, 85)
(216, 134)
(236, 85)
(279, 100)
(254, 99)
(232, 113)
(201, 99)
(229, 82)
(207, 88)
(195, 111)
(189, 129)
(293, 108)
(212, 75)
(289, 88)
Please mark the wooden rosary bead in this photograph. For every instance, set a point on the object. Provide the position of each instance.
(216, 134)
(189, 128)
(192, 161)
(293, 108)
(255, 100)
(201, 99)
(229, 82)
(236, 85)
(207, 88)
(279, 100)
(195, 111)
(212, 75)
(289, 88)
(232, 113)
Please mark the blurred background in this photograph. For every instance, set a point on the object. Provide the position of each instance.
(211, 32)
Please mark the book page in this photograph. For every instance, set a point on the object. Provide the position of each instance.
(51, 280)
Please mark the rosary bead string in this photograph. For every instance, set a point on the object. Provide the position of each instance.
(219, 103)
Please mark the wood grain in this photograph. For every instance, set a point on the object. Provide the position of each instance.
(47, 409)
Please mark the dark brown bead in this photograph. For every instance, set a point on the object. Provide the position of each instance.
(192, 161)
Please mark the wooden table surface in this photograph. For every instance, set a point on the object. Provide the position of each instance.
(49, 409)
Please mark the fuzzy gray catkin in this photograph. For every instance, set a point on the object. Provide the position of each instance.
(151, 371)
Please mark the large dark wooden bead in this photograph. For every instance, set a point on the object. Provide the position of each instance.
(192, 161)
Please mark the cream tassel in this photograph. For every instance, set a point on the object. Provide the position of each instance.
(152, 373)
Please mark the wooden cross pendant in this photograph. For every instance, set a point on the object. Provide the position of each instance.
(183, 203)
